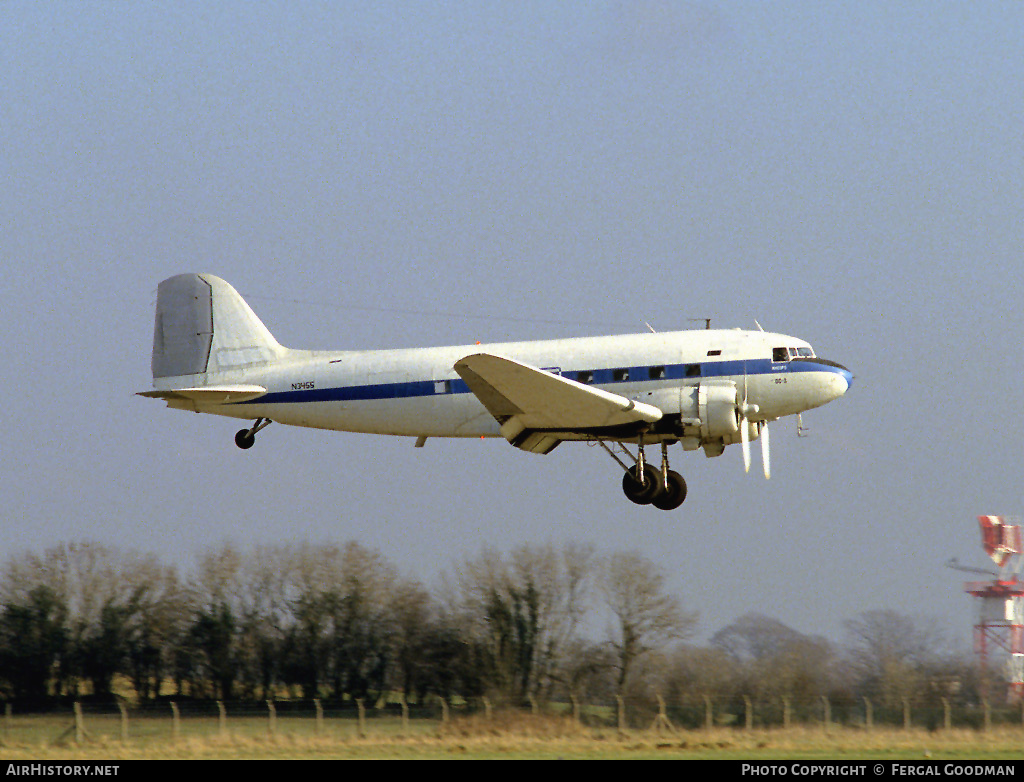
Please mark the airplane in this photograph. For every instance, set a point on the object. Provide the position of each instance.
(705, 388)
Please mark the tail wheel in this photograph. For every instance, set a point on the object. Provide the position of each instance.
(246, 438)
(642, 492)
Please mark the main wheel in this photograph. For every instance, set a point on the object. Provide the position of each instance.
(645, 492)
(673, 497)
(243, 439)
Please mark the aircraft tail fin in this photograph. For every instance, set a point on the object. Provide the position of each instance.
(203, 326)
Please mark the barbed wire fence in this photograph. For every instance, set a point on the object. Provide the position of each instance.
(84, 722)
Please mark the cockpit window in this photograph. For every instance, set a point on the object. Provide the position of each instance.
(787, 354)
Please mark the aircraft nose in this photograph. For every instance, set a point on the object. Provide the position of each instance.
(832, 383)
(848, 377)
(843, 379)
(840, 381)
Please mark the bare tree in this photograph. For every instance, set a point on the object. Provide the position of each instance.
(889, 654)
(772, 659)
(697, 671)
(645, 618)
(343, 620)
(120, 610)
(522, 612)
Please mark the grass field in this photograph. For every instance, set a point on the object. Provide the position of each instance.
(524, 737)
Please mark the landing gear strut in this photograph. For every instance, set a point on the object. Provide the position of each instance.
(246, 438)
(643, 484)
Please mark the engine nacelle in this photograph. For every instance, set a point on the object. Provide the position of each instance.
(708, 414)
(716, 408)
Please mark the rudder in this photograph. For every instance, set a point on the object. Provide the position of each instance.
(204, 326)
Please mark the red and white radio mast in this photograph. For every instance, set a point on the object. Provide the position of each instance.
(999, 630)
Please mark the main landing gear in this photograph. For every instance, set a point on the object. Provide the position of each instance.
(643, 484)
(246, 438)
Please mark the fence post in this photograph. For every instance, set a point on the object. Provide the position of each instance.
(362, 717)
(662, 720)
(319, 716)
(827, 713)
(786, 714)
(533, 704)
(868, 714)
(708, 713)
(906, 714)
(748, 709)
(79, 723)
(222, 719)
(946, 720)
(487, 708)
(405, 716)
(575, 709)
(124, 721)
(622, 713)
(271, 718)
(7, 721)
(444, 711)
(175, 721)
(988, 713)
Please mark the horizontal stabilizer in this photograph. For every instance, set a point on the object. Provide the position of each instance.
(209, 395)
(527, 401)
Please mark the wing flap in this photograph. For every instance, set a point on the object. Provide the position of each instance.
(209, 395)
(526, 400)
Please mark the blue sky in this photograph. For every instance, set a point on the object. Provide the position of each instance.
(407, 174)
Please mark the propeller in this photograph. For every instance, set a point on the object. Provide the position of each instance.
(743, 412)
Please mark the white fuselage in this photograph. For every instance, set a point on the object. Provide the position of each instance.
(416, 392)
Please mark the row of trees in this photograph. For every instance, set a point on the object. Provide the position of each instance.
(340, 621)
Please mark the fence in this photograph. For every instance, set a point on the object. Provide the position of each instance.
(744, 711)
(83, 722)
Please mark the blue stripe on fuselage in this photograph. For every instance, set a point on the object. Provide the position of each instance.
(602, 378)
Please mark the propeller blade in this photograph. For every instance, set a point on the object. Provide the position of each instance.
(743, 409)
(745, 440)
(765, 458)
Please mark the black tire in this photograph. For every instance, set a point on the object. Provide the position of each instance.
(674, 496)
(244, 440)
(642, 493)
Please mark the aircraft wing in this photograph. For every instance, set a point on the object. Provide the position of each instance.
(208, 394)
(535, 407)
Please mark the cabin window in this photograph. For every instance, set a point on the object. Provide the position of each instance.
(693, 370)
(618, 375)
(714, 352)
(442, 386)
(656, 373)
(780, 354)
(585, 376)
